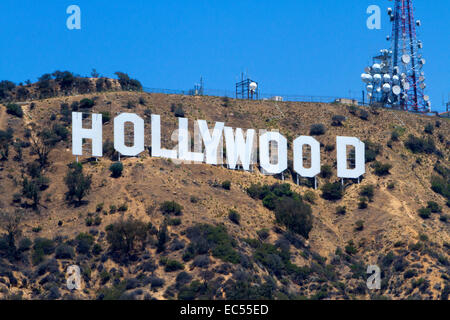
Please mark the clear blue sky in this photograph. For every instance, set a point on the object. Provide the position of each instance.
(293, 47)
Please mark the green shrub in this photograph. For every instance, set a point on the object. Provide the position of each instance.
(295, 215)
(46, 245)
(226, 185)
(234, 216)
(171, 207)
(127, 83)
(25, 244)
(14, 110)
(37, 256)
(96, 249)
(258, 191)
(106, 116)
(332, 191)
(350, 248)
(163, 238)
(363, 114)
(341, 210)
(263, 234)
(172, 265)
(116, 169)
(410, 273)
(64, 252)
(174, 222)
(78, 184)
(419, 145)
(329, 147)
(337, 120)
(89, 221)
(441, 186)
(381, 169)
(372, 150)
(177, 110)
(112, 209)
(442, 170)
(97, 221)
(317, 130)
(395, 135)
(113, 293)
(108, 150)
(6, 139)
(36, 229)
(362, 203)
(123, 236)
(205, 237)
(123, 207)
(84, 242)
(367, 191)
(434, 207)
(269, 201)
(86, 103)
(310, 196)
(429, 128)
(326, 171)
(424, 213)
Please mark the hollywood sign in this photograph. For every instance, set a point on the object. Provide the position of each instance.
(240, 149)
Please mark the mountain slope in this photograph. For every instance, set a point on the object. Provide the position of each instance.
(412, 252)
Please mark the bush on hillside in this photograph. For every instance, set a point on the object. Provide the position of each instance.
(317, 130)
(332, 191)
(125, 235)
(116, 169)
(419, 145)
(14, 110)
(171, 207)
(295, 215)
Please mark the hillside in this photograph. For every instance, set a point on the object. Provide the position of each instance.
(255, 258)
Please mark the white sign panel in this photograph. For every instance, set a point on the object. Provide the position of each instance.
(240, 146)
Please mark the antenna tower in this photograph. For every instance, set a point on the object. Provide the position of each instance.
(396, 79)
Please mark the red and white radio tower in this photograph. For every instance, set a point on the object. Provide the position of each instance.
(407, 60)
(396, 79)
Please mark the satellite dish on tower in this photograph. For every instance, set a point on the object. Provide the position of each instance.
(395, 79)
(396, 90)
(377, 78)
(386, 87)
(405, 85)
(367, 78)
(406, 59)
(253, 86)
(426, 98)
